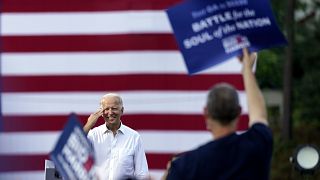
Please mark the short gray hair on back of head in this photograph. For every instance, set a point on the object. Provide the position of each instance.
(223, 103)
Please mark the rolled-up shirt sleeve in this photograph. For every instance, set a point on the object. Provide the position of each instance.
(140, 161)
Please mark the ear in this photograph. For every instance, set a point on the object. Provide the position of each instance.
(239, 110)
(206, 118)
(122, 110)
(206, 112)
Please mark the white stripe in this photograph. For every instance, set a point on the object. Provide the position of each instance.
(32, 143)
(135, 102)
(103, 63)
(113, 22)
(28, 143)
(25, 175)
(166, 141)
(39, 175)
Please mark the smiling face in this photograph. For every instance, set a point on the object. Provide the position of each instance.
(112, 110)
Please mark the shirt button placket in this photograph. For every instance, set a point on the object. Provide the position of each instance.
(113, 157)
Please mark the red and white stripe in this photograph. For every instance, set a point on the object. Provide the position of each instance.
(61, 56)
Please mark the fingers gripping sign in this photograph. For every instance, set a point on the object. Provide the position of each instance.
(247, 59)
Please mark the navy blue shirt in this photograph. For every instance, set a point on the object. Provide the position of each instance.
(236, 156)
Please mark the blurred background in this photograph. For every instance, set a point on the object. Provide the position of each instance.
(60, 56)
(297, 122)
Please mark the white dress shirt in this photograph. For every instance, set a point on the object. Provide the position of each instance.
(120, 155)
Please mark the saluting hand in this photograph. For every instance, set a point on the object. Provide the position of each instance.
(95, 116)
(92, 120)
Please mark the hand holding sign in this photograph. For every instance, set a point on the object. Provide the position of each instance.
(209, 32)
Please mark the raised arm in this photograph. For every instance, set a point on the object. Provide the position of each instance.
(256, 103)
(93, 118)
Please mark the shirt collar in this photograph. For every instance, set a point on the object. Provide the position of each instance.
(121, 129)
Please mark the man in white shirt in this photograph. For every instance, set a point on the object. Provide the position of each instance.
(118, 148)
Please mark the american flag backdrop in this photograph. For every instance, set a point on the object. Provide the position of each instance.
(61, 56)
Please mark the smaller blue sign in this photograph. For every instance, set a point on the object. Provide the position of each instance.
(73, 154)
(209, 32)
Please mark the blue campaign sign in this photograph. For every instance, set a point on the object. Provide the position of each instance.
(73, 154)
(211, 31)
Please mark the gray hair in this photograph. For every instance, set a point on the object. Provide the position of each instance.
(114, 95)
(223, 103)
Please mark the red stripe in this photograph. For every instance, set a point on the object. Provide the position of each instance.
(22, 162)
(82, 5)
(117, 82)
(70, 43)
(158, 161)
(36, 162)
(138, 122)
